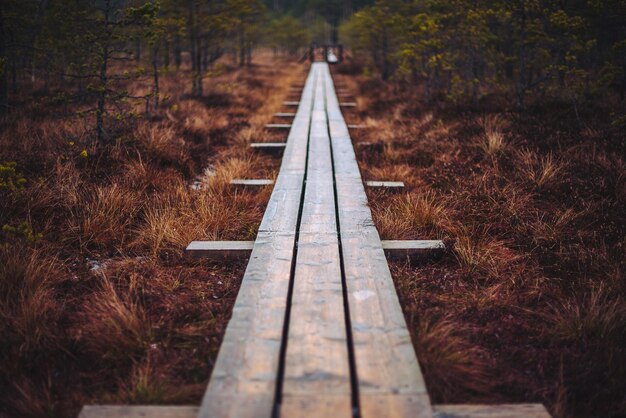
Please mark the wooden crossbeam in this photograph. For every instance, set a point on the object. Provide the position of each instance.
(440, 411)
(252, 182)
(385, 184)
(491, 411)
(269, 147)
(357, 126)
(347, 104)
(291, 103)
(278, 126)
(219, 249)
(284, 115)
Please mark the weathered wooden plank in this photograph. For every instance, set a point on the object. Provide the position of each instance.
(317, 372)
(385, 184)
(347, 104)
(138, 411)
(386, 364)
(280, 145)
(491, 411)
(284, 114)
(245, 375)
(417, 245)
(219, 249)
(278, 126)
(354, 126)
(291, 103)
(252, 182)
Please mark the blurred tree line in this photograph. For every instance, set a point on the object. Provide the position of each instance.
(463, 49)
(88, 52)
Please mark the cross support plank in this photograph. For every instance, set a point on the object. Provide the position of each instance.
(385, 184)
(491, 411)
(219, 249)
(284, 115)
(252, 182)
(278, 126)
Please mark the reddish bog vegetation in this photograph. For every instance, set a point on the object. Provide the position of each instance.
(97, 302)
(528, 304)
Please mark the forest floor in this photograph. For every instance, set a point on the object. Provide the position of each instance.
(528, 304)
(97, 302)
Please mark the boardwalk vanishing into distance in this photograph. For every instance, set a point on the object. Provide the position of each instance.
(317, 329)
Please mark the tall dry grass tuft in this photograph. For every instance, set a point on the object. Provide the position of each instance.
(476, 251)
(29, 307)
(114, 327)
(493, 140)
(596, 317)
(102, 219)
(412, 214)
(451, 362)
(151, 384)
(542, 171)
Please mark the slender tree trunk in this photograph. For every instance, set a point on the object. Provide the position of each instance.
(155, 76)
(242, 47)
(4, 93)
(177, 53)
(193, 43)
(521, 77)
(385, 57)
(102, 95)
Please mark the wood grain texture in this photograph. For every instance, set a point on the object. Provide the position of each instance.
(245, 373)
(387, 369)
(491, 411)
(317, 374)
(219, 249)
(138, 411)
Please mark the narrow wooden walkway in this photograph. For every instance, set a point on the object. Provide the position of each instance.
(317, 329)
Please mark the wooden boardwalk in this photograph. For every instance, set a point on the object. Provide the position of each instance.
(317, 329)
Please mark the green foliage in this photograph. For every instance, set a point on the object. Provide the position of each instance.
(462, 50)
(23, 231)
(287, 33)
(10, 178)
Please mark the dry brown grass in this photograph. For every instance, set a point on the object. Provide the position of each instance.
(527, 304)
(102, 306)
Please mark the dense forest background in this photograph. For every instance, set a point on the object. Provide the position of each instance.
(122, 123)
(458, 50)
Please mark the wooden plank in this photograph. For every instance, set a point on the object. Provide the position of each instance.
(317, 372)
(385, 184)
(278, 126)
(272, 148)
(219, 249)
(280, 145)
(387, 369)
(412, 249)
(347, 104)
(284, 115)
(417, 245)
(491, 411)
(245, 374)
(138, 411)
(291, 103)
(252, 182)
(358, 126)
